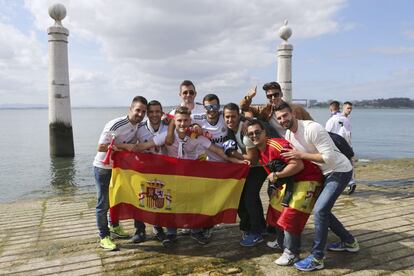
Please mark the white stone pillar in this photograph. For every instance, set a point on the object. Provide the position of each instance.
(284, 63)
(60, 119)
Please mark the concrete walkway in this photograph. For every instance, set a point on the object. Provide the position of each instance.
(58, 236)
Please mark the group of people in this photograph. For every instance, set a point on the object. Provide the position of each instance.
(283, 146)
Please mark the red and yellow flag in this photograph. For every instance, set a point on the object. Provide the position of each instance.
(294, 217)
(177, 193)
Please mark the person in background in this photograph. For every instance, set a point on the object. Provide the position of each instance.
(347, 109)
(310, 141)
(340, 124)
(123, 130)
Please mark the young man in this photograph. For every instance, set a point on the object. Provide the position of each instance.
(123, 130)
(266, 112)
(347, 109)
(185, 148)
(312, 142)
(146, 132)
(250, 211)
(340, 124)
(307, 181)
(212, 122)
(188, 94)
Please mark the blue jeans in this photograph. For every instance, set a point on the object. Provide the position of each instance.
(102, 180)
(334, 185)
(292, 243)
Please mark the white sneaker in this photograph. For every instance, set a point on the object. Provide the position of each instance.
(287, 259)
(273, 244)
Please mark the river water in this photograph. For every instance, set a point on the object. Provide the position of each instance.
(27, 171)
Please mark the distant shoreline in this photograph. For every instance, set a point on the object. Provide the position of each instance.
(98, 107)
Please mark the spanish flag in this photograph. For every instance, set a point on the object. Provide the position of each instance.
(177, 193)
(294, 217)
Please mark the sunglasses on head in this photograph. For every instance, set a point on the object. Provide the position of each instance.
(212, 107)
(254, 133)
(188, 92)
(273, 95)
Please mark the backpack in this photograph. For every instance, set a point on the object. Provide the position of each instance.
(342, 145)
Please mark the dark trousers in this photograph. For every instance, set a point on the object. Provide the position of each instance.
(250, 207)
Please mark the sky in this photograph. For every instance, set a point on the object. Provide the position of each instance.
(343, 50)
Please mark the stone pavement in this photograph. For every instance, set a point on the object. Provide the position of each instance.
(58, 235)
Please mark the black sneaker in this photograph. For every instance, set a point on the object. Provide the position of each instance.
(200, 238)
(169, 241)
(139, 237)
(159, 235)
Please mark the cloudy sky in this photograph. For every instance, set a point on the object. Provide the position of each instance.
(344, 50)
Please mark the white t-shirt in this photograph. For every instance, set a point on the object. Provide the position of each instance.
(218, 133)
(340, 125)
(311, 137)
(186, 148)
(125, 133)
(146, 133)
(197, 110)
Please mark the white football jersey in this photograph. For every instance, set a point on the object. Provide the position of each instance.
(125, 133)
(146, 133)
(218, 133)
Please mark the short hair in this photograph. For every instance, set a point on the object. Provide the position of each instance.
(232, 106)
(139, 99)
(256, 122)
(272, 85)
(211, 97)
(348, 103)
(183, 110)
(335, 105)
(281, 106)
(187, 83)
(154, 103)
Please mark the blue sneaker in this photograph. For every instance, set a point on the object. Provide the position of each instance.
(343, 246)
(310, 263)
(251, 239)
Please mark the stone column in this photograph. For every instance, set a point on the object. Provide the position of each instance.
(60, 119)
(284, 63)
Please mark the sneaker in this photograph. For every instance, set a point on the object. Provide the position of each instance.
(169, 241)
(139, 237)
(159, 234)
(185, 232)
(351, 189)
(107, 244)
(119, 232)
(287, 259)
(274, 244)
(200, 238)
(251, 239)
(310, 263)
(343, 246)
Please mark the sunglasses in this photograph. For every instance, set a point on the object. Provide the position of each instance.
(188, 92)
(255, 133)
(212, 107)
(274, 95)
